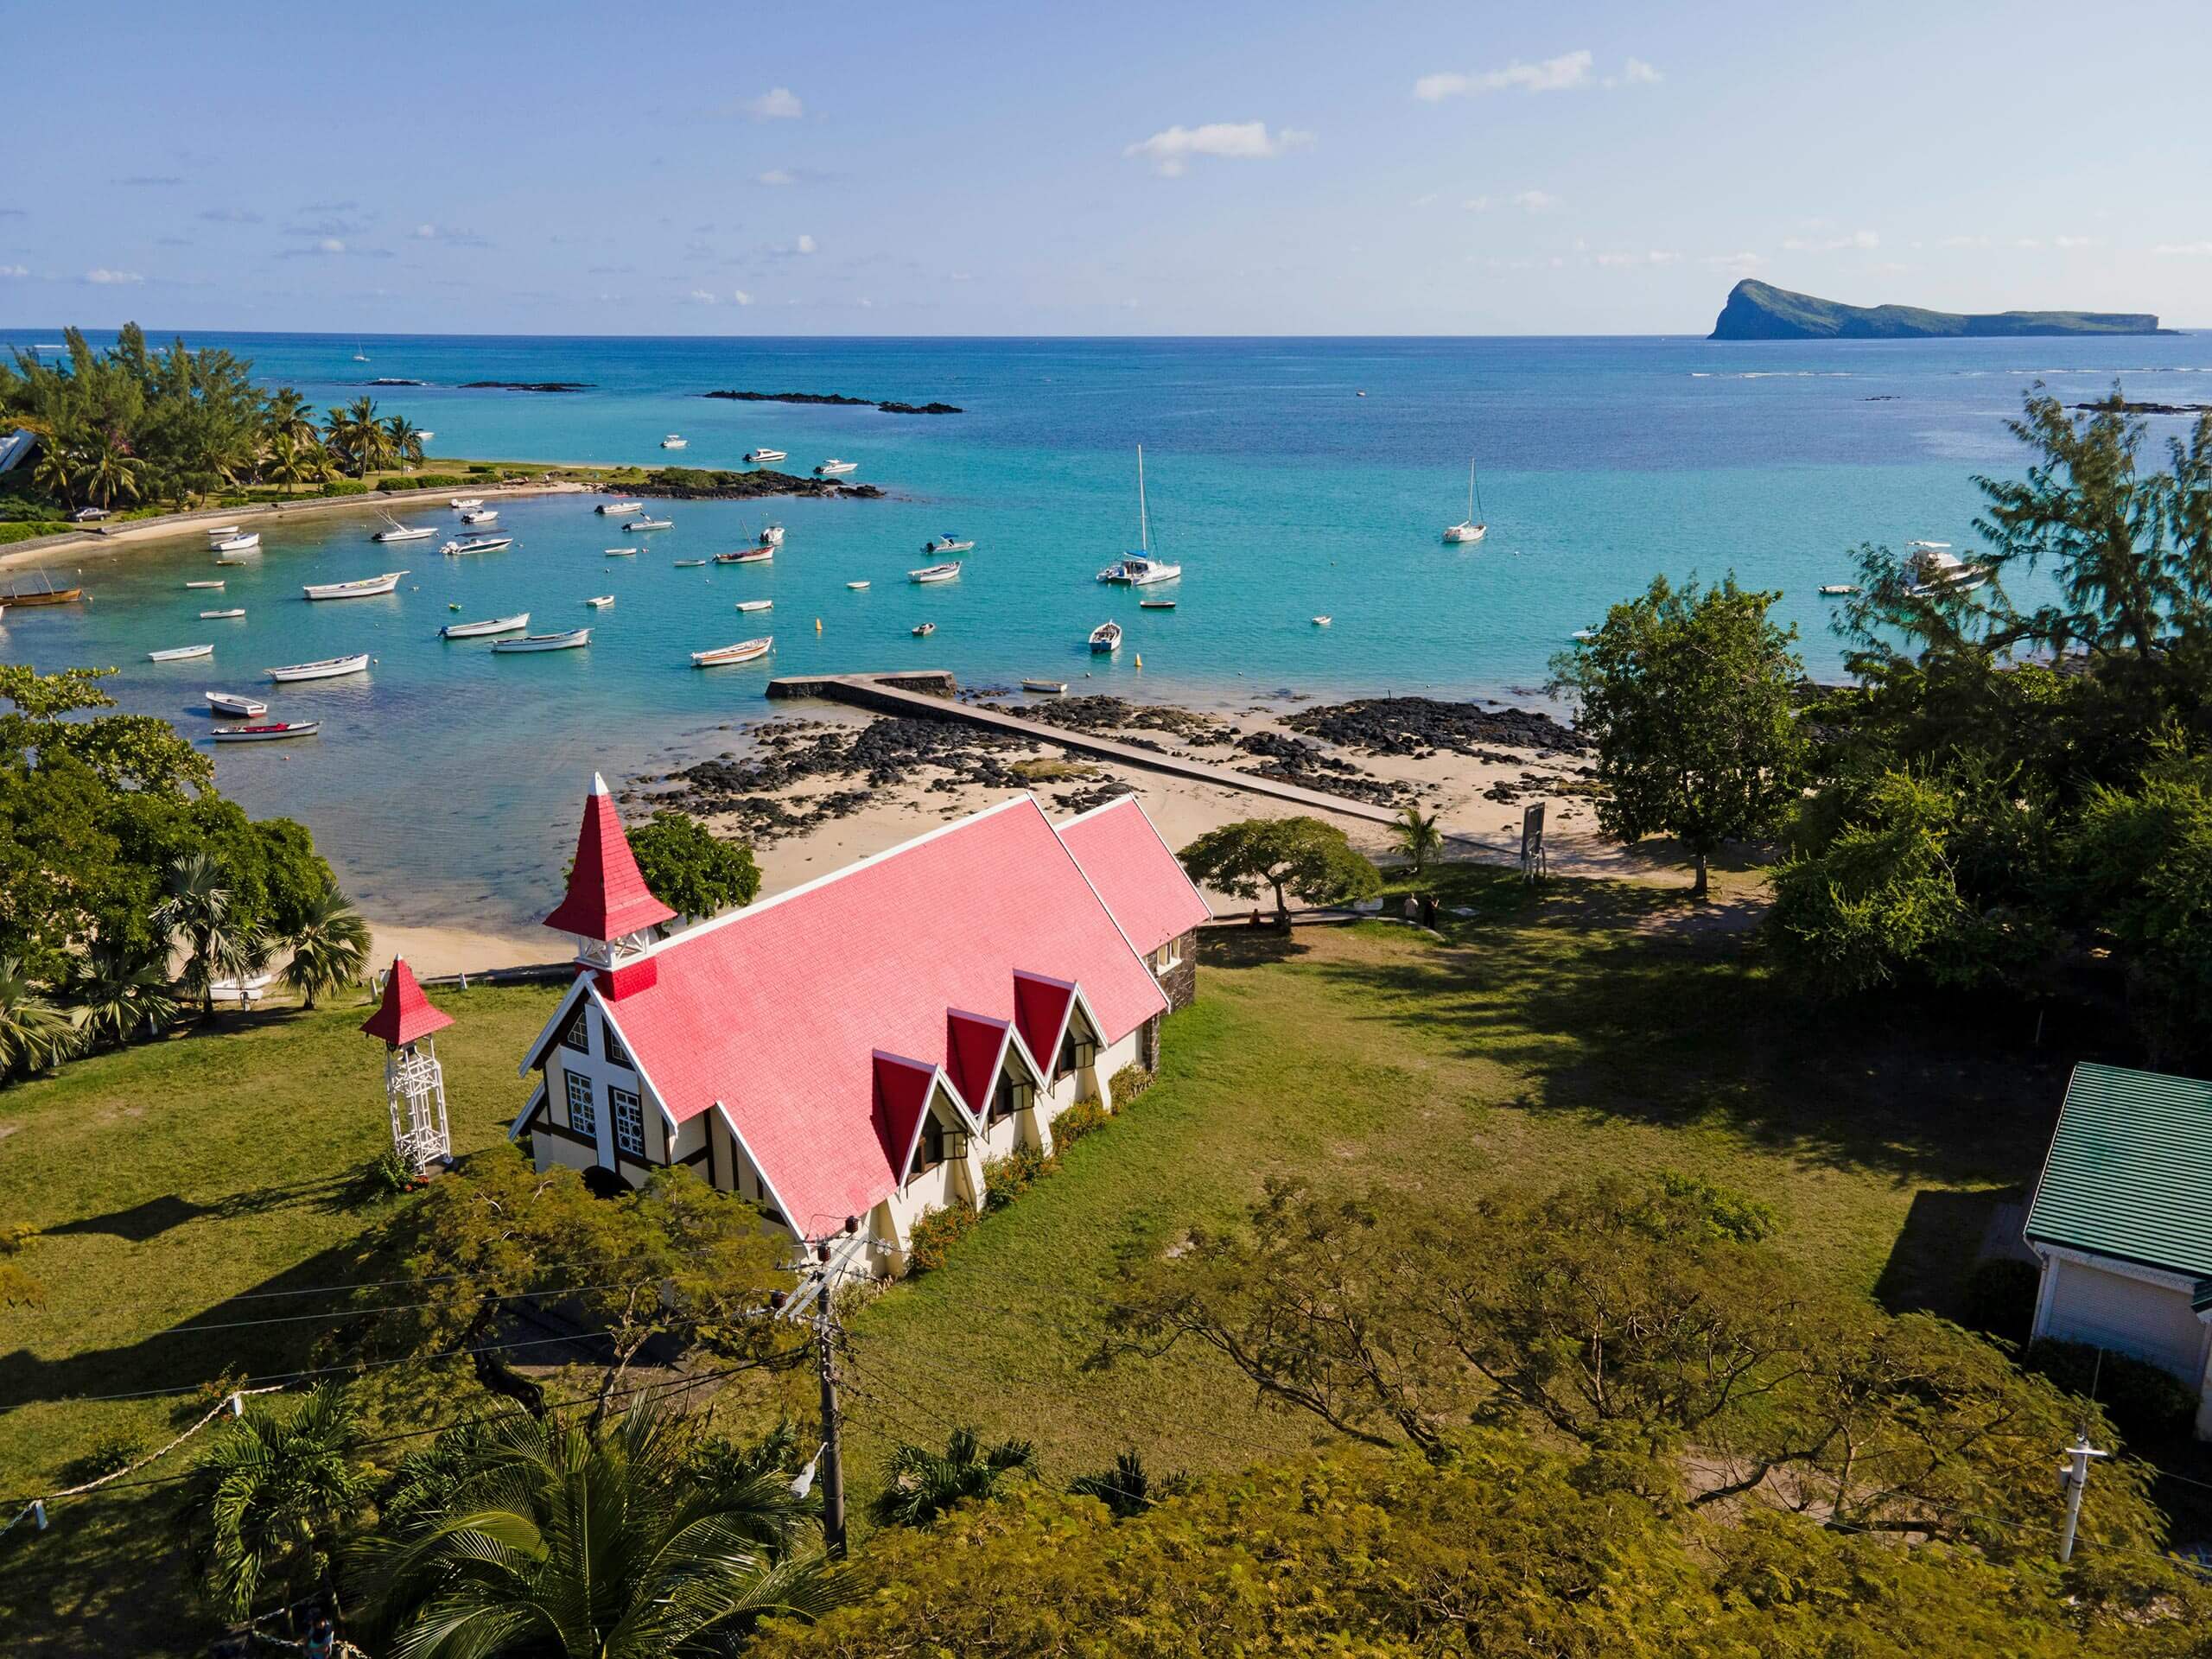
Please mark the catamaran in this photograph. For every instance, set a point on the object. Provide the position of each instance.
(568, 641)
(1471, 528)
(834, 468)
(1139, 569)
(930, 573)
(760, 455)
(513, 624)
(477, 545)
(745, 651)
(1106, 637)
(231, 703)
(328, 669)
(366, 587)
(395, 531)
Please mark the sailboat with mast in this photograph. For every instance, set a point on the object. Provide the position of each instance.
(1471, 528)
(1140, 569)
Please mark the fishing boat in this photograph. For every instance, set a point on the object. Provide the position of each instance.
(688, 564)
(268, 734)
(771, 535)
(675, 441)
(757, 456)
(1471, 528)
(610, 508)
(217, 583)
(1323, 621)
(650, 524)
(180, 654)
(746, 556)
(600, 602)
(245, 543)
(1047, 687)
(222, 616)
(366, 587)
(745, 651)
(856, 585)
(754, 604)
(568, 641)
(513, 624)
(1140, 568)
(948, 543)
(621, 552)
(1937, 570)
(221, 533)
(469, 503)
(1155, 604)
(328, 669)
(49, 594)
(930, 573)
(834, 468)
(479, 516)
(455, 549)
(395, 531)
(923, 630)
(1106, 637)
(232, 702)
(1838, 589)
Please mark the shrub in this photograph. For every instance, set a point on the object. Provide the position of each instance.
(1006, 1178)
(2144, 1403)
(929, 1243)
(20, 530)
(1728, 1214)
(481, 469)
(1077, 1121)
(1128, 1084)
(2000, 1300)
(111, 1455)
(423, 481)
(345, 486)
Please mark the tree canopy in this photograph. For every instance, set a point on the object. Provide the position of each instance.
(690, 870)
(1300, 857)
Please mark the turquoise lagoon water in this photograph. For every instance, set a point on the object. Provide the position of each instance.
(445, 782)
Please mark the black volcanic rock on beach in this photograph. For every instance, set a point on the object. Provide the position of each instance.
(1413, 726)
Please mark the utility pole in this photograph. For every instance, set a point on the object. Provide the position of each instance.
(829, 1259)
(2075, 1471)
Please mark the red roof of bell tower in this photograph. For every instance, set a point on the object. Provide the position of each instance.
(405, 1013)
(606, 898)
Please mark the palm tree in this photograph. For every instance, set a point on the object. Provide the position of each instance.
(271, 1496)
(293, 459)
(286, 415)
(555, 1542)
(1417, 837)
(112, 472)
(197, 917)
(57, 471)
(115, 990)
(359, 437)
(329, 947)
(924, 1484)
(1128, 1488)
(34, 1034)
(406, 440)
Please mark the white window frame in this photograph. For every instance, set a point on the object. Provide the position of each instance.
(630, 1128)
(583, 1114)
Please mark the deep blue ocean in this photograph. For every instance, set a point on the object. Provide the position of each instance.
(445, 778)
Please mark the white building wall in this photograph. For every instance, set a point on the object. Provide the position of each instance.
(2117, 1310)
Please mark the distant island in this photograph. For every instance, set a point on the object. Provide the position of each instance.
(1760, 311)
(526, 386)
(836, 397)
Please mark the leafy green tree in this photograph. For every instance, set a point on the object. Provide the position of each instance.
(1300, 857)
(359, 440)
(329, 947)
(1128, 1487)
(118, 991)
(688, 868)
(34, 1035)
(271, 1499)
(293, 461)
(1687, 694)
(197, 918)
(923, 1484)
(553, 1540)
(129, 752)
(1417, 838)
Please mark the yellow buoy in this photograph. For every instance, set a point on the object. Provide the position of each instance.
(1140, 660)
(818, 624)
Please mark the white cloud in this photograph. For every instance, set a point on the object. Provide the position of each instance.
(2194, 248)
(774, 177)
(867, 304)
(1831, 244)
(2077, 241)
(14, 271)
(1170, 151)
(701, 296)
(962, 276)
(777, 104)
(1966, 242)
(1535, 202)
(2028, 242)
(739, 296)
(1651, 256)
(1640, 73)
(1476, 204)
(330, 244)
(231, 216)
(1559, 74)
(1742, 263)
(101, 277)
(425, 232)
(805, 244)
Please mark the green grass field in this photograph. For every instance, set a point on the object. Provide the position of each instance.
(1599, 1026)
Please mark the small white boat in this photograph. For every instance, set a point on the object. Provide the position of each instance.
(221, 533)
(856, 585)
(1155, 604)
(466, 503)
(245, 543)
(923, 630)
(1471, 528)
(754, 604)
(479, 516)
(759, 455)
(621, 552)
(1106, 637)
(328, 669)
(610, 508)
(748, 555)
(425, 436)
(269, 733)
(1937, 570)
(834, 468)
(650, 524)
(477, 545)
(218, 582)
(1047, 687)
(513, 624)
(366, 587)
(395, 531)
(231, 703)
(1138, 571)
(948, 543)
(600, 602)
(745, 651)
(930, 573)
(222, 616)
(180, 654)
(771, 535)
(1838, 589)
(675, 441)
(1323, 621)
(1581, 635)
(683, 564)
(568, 641)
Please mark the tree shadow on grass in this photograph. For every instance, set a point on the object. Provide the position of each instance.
(155, 1216)
(1247, 947)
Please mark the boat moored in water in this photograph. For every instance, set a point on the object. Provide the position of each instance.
(1937, 570)
(610, 508)
(923, 630)
(684, 564)
(513, 624)
(466, 503)
(455, 550)
(1106, 637)
(268, 734)
(568, 641)
(675, 441)
(1047, 687)
(1838, 589)
(948, 543)
(856, 585)
(746, 556)
(49, 594)
(650, 524)
(621, 552)
(754, 604)
(243, 544)
(834, 468)
(180, 654)
(745, 651)
(395, 531)
(771, 536)
(217, 583)
(1472, 527)
(1155, 604)
(600, 602)
(1139, 570)
(232, 702)
(757, 456)
(328, 669)
(931, 572)
(223, 616)
(366, 587)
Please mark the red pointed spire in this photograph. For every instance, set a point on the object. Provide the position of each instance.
(405, 1013)
(606, 898)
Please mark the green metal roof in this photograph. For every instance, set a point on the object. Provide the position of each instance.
(2130, 1170)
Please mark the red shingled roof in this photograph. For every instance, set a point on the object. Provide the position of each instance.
(1140, 880)
(405, 1013)
(792, 1015)
(606, 898)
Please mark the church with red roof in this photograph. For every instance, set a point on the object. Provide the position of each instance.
(861, 1046)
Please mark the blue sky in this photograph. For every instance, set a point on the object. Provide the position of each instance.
(1032, 169)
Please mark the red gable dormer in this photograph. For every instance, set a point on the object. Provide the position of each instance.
(1040, 1014)
(405, 1013)
(973, 1043)
(607, 900)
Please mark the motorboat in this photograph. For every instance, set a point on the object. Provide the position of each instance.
(1047, 687)
(1838, 589)
(745, 651)
(948, 544)
(568, 641)
(366, 587)
(621, 552)
(479, 516)
(1138, 571)
(1155, 604)
(1471, 528)
(217, 583)
(930, 573)
(746, 556)
(834, 468)
(1935, 570)
(455, 549)
(857, 586)
(675, 441)
(425, 434)
(923, 630)
(469, 503)
(754, 604)
(269, 733)
(1106, 637)
(650, 524)
(771, 535)
(231, 703)
(180, 654)
(610, 508)
(223, 616)
(683, 564)
(513, 624)
(243, 544)
(49, 594)
(758, 456)
(1323, 621)
(328, 669)
(395, 531)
